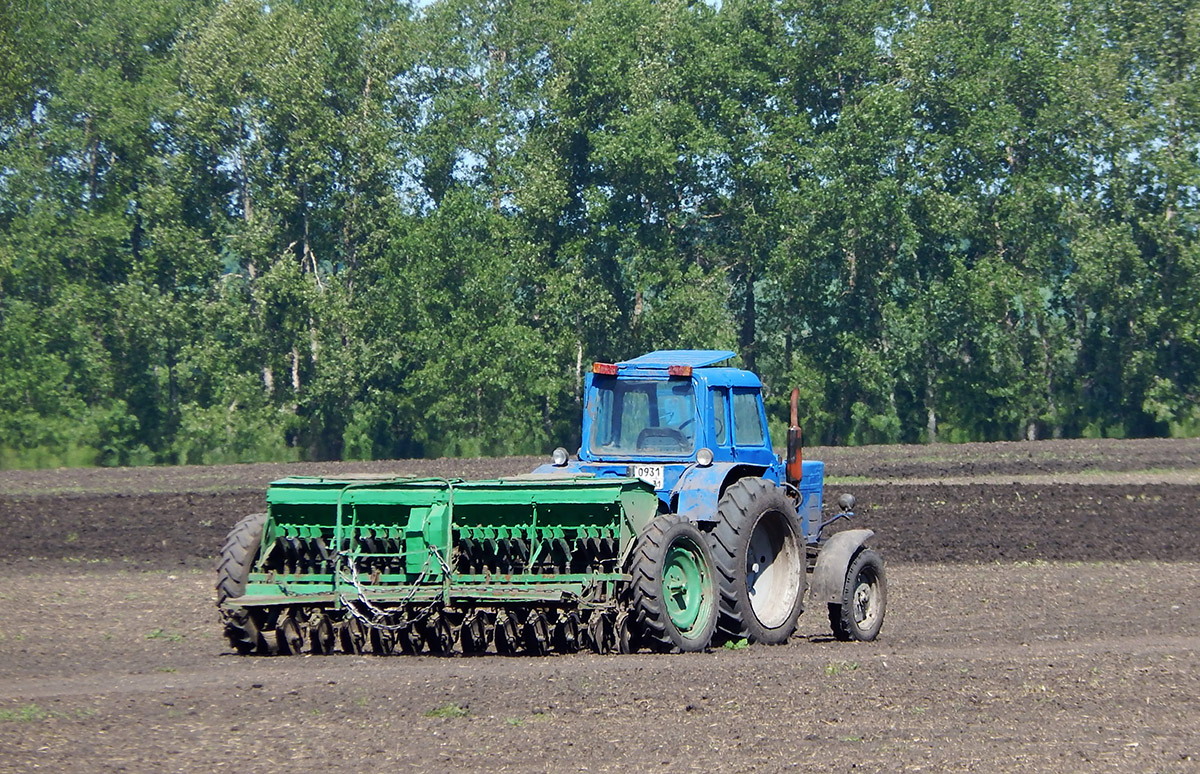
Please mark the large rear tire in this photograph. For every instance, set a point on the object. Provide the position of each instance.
(674, 586)
(233, 570)
(760, 557)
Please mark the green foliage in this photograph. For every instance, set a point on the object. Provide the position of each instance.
(234, 231)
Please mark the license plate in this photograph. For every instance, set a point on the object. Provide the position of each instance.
(651, 474)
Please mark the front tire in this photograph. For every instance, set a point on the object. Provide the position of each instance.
(674, 587)
(859, 616)
(760, 556)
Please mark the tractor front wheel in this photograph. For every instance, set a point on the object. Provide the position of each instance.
(859, 616)
(674, 586)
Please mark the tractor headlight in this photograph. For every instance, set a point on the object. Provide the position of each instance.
(704, 457)
(559, 457)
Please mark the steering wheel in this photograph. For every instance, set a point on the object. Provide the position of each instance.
(660, 432)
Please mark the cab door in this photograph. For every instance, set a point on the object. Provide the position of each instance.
(751, 443)
(722, 427)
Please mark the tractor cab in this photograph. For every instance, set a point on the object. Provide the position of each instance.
(681, 423)
(673, 407)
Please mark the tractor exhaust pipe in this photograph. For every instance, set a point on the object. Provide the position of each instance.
(795, 447)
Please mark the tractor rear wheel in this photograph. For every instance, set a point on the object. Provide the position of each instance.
(674, 586)
(760, 556)
(233, 570)
(859, 616)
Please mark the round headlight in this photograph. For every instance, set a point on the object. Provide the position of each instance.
(704, 457)
(559, 457)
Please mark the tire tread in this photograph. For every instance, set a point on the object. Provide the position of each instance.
(738, 509)
(651, 621)
(237, 556)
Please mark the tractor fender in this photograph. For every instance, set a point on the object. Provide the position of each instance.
(829, 576)
(696, 493)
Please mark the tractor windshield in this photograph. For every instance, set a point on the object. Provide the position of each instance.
(644, 418)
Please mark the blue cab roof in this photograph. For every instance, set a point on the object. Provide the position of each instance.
(663, 358)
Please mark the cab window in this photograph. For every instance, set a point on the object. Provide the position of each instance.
(720, 407)
(639, 418)
(747, 422)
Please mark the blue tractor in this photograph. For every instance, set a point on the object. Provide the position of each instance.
(697, 433)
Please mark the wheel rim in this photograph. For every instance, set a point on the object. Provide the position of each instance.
(773, 563)
(687, 587)
(865, 599)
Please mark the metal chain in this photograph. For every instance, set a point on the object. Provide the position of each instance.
(378, 613)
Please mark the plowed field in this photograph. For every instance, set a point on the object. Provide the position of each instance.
(1044, 615)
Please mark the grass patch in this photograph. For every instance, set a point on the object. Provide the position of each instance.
(162, 634)
(26, 714)
(447, 711)
(837, 667)
(839, 480)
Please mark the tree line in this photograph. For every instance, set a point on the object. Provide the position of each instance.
(235, 230)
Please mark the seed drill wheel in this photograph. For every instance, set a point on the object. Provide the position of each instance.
(859, 616)
(536, 633)
(242, 632)
(233, 569)
(760, 557)
(411, 639)
(601, 633)
(439, 635)
(320, 634)
(288, 636)
(383, 641)
(674, 588)
(505, 634)
(473, 634)
(353, 636)
(566, 633)
(623, 631)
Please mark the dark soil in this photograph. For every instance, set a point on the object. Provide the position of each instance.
(1049, 624)
(1067, 522)
(1022, 458)
(172, 517)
